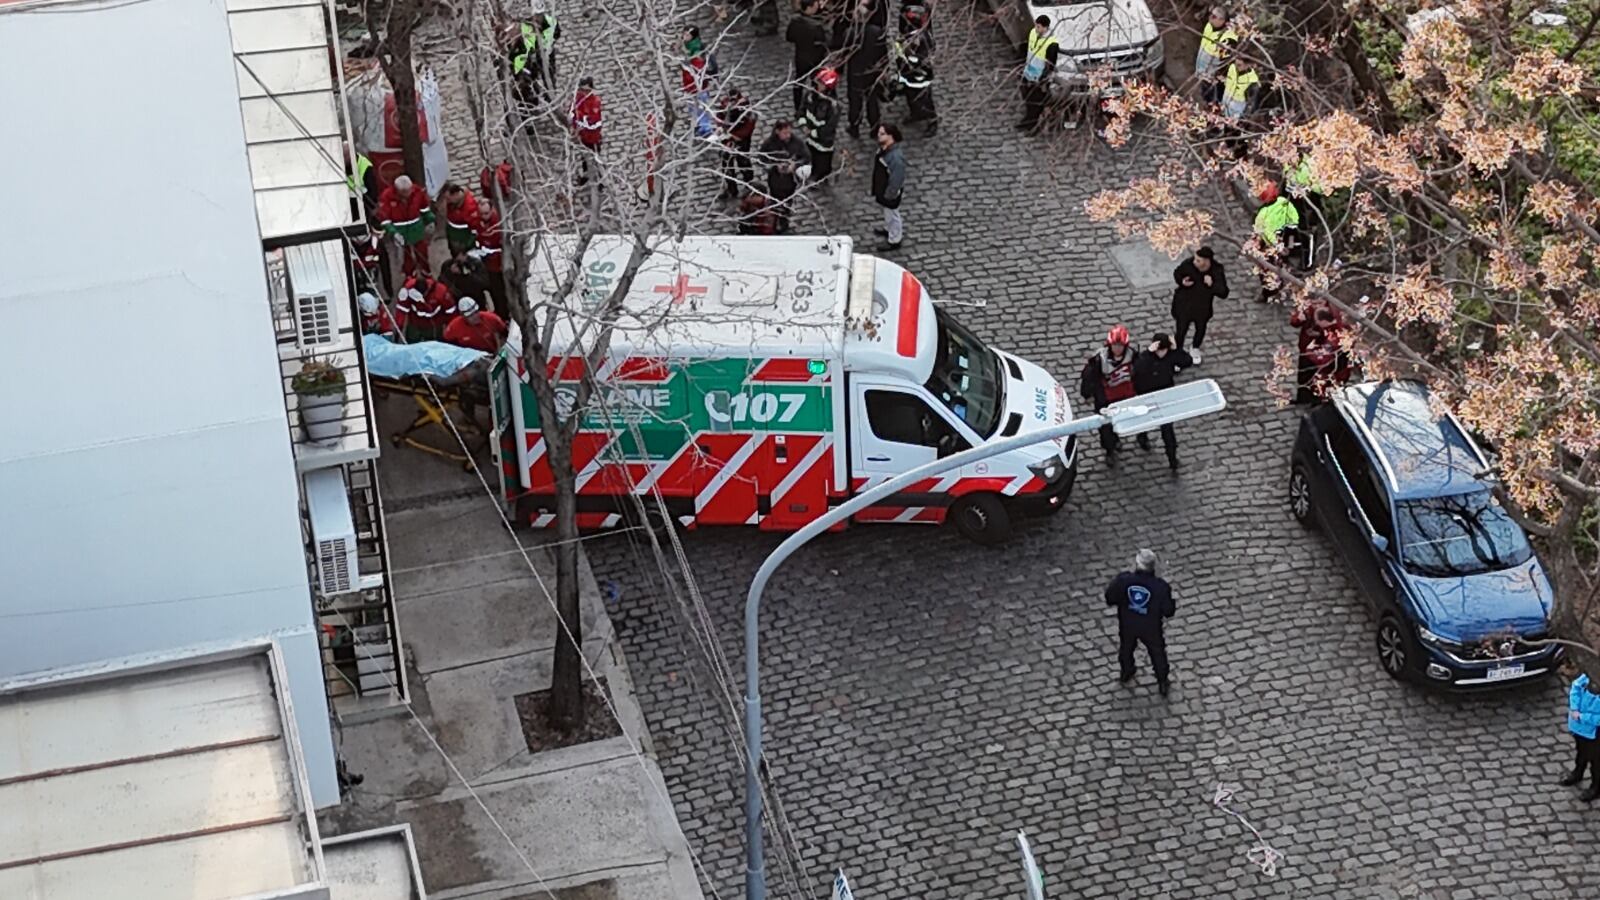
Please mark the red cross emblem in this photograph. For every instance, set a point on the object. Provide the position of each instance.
(680, 289)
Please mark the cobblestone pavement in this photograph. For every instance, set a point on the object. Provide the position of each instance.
(926, 697)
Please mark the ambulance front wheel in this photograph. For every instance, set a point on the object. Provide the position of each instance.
(982, 518)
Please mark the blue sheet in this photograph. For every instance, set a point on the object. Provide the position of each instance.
(387, 359)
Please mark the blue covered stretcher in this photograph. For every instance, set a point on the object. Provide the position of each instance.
(436, 376)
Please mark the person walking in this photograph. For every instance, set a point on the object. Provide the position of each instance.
(462, 221)
(1583, 721)
(737, 121)
(1038, 67)
(783, 153)
(821, 123)
(1156, 369)
(1214, 38)
(866, 48)
(889, 185)
(1144, 602)
(588, 121)
(1199, 280)
(809, 36)
(1108, 377)
(406, 212)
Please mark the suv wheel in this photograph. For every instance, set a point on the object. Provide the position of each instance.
(1397, 650)
(982, 518)
(1300, 498)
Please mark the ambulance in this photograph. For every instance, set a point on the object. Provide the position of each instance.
(762, 380)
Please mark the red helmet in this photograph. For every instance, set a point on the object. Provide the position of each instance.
(1270, 192)
(1118, 335)
(827, 78)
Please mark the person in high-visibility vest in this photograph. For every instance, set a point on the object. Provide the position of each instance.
(1214, 39)
(1275, 226)
(912, 52)
(1037, 68)
(405, 212)
(1240, 85)
(363, 183)
(533, 55)
(1304, 189)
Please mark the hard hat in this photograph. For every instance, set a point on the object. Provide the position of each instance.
(1270, 192)
(467, 306)
(411, 294)
(1117, 335)
(914, 13)
(368, 303)
(828, 78)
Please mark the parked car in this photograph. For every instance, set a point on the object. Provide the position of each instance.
(1456, 588)
(1118, 36)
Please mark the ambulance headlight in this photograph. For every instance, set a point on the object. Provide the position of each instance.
(1049, 470)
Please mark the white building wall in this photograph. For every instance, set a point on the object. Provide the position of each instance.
(148, 498)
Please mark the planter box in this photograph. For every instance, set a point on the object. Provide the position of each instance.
(322, 416)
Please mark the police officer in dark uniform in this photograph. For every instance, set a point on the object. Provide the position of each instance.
(1144, 602)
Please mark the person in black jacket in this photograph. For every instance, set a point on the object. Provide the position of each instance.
(821, 123)
(1199, 280)
(1144, 602)
(783, 153)
(809, 36)
(867, 49)
(1156, 369)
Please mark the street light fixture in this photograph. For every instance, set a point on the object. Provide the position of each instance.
(1145, 412)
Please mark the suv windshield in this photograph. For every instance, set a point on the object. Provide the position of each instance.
(1461, 535)
(966, 377)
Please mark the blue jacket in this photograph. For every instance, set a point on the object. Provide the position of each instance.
(1583, 709)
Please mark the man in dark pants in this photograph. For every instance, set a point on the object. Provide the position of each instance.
(1144, 603)
(1198, 279)
(782, 154)
(867, 48)
(1108, 377)
(810, 39)
(1155, 369)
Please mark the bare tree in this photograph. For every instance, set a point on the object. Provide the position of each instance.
(393, 24)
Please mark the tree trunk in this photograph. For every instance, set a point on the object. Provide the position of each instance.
(402, 78)
(566, 709)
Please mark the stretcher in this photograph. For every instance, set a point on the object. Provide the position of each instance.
(436, 376)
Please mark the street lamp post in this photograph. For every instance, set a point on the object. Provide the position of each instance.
(1142, 413)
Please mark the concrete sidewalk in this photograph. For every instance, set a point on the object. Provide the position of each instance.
(593, 821)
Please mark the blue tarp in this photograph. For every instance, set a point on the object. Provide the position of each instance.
(387, 359)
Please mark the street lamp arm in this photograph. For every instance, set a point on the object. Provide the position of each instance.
(755, 869)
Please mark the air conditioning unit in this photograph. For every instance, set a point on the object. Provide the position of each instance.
(333, 532)
(312, 296)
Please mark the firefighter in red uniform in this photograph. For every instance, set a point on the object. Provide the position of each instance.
(376, 319)
(1108, 377)
(476, 329)
(372, 264)
(428, 306)
(462, 223)
(586, 124)
(488, 178)
(405, 212)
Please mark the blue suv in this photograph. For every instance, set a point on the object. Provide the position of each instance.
(1457, 591)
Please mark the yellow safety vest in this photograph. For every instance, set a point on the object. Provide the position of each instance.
(1275, 217)
(531, 42)
(1210, 37)
(359, 179)
(1302, 176)
(1038, 54)
(1238, 83)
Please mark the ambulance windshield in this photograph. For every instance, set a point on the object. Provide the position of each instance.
(966, 377)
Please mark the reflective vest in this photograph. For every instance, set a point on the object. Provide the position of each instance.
(1275, 217)
(1038, 55)
(359, 179)
(914, 70)
(1210, 37)
(1302, 176)
(534, 41)
(1239, 83)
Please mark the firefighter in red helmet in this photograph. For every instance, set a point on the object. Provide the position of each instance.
(821, 123)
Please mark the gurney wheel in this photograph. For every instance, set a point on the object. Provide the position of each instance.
(397, 439)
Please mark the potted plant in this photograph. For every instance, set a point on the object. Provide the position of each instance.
(319, 389)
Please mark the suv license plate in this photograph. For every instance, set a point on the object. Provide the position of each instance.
(1503, 672)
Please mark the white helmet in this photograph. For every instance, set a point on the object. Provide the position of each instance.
(467, 306)
(368, 303)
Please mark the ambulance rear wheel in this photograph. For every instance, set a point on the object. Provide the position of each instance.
(651, 518)
(982, 518)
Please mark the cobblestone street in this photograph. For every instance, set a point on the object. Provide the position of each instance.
(927, 697)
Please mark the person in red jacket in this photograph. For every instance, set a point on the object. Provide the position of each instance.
(1322, 361)
(372, 261)
(428, 306)
(376, 318)
(476, 329)
(587, 120)
(493, 259)
(461, 219)
(405, 212)
(500, 175)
